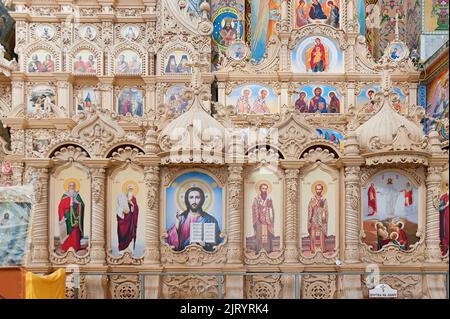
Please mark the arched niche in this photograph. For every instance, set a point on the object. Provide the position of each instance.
(319, 207)
(70, 229)
(212, 214)
(317, 54)
(254, 98)
(173, 57)
(126, 207)
(130, 101)
(263, 213)
(318, 98)
(368, 99)
(304, 12)
(392, 203)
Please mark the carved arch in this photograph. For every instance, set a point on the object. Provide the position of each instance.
(42, 45)
(68, 144)
(267, 149)
(124, 151)
(337, 36)
(320, 143)
(138, 49)
(85, 45)
(167, 49)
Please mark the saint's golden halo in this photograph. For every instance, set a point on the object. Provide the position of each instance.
(203, 185)
(324, 185)
(262, 182)
(127, 184)
(72, 180)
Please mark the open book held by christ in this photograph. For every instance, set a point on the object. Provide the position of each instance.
(203, 232)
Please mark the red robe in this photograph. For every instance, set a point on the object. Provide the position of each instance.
(372, 200)
(74, 231)
(313, 55)
(403, 238)
(408, 197)
(127, 226)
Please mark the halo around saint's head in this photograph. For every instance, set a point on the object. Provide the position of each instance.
(264, 89)
(246, 89)
(263, 182)
(71, 180)
(204, 186)
(324, 186)
(127, 184)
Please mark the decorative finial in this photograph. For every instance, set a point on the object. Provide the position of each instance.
(196, 65)
(397, 29)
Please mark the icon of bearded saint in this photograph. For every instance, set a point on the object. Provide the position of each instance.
(71, 217)
(127, 216)
(228, 33)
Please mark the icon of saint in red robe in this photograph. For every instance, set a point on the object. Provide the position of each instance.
(408, 193)
(127, 216)
(71, 217)
(372, 195)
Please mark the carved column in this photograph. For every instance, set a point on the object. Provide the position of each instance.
(106, 88)
(291, 251)
(150, 95)
(64, 94)
(221, 93)
(235, 243)
(352, 162)
(284, 93)
(18, 91)
(37, 174)
(351, 98)
(350, 14)
(17, 170)
(98, 241)
(432, 240)
(352, 222)
(152, 180)
(413, 94)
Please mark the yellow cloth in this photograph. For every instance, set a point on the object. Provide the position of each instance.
(52, 286)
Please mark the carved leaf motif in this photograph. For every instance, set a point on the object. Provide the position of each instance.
(127, 154)
(319, 154)
(70, 154)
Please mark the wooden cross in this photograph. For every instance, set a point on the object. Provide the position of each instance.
(196, 66)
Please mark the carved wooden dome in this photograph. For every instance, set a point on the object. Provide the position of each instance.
(385, 125)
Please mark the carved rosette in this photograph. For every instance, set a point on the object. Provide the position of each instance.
(152, 253)
(319, 286)
(98, 215)
(234, 253)
(291, 252)
(125, 287)
(70, 287)
(352, 215)
(433, 181)
(40, 240)
(264, 287)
